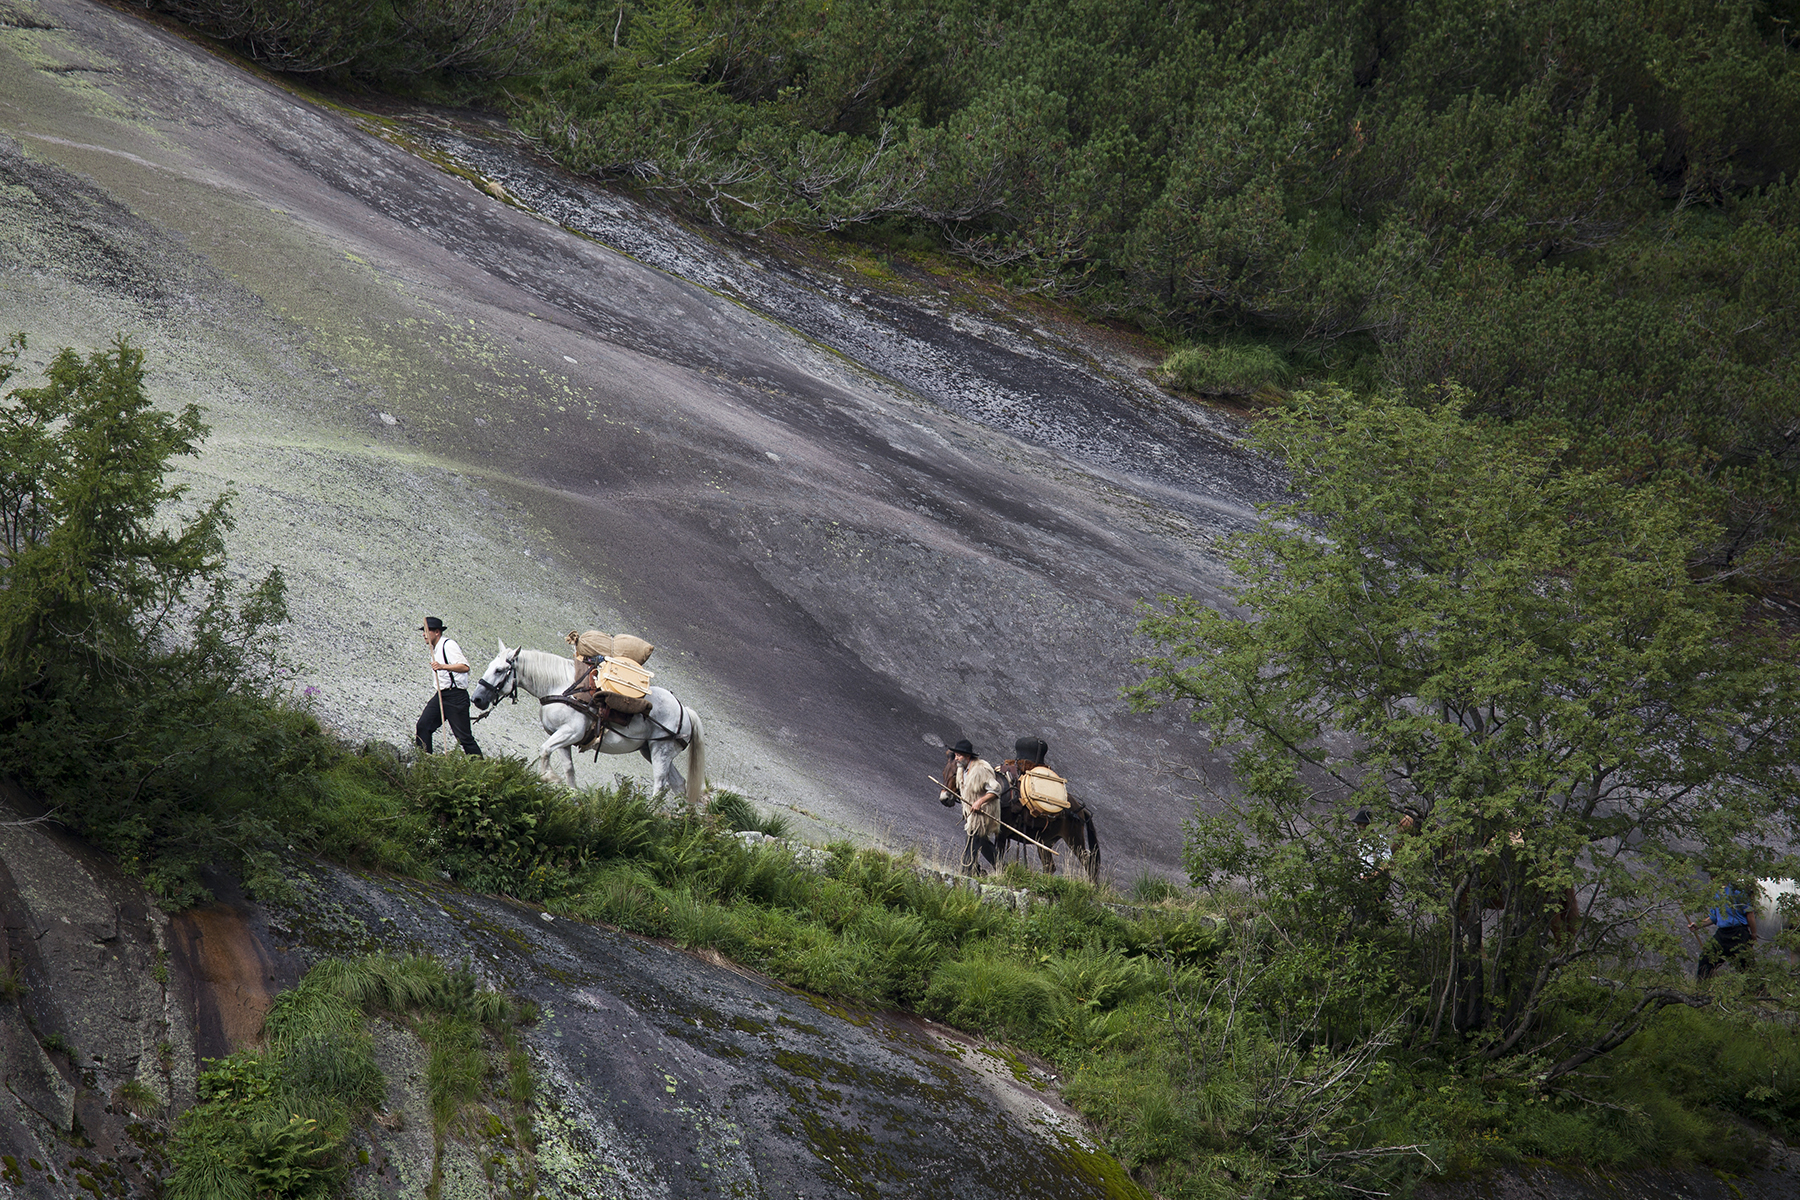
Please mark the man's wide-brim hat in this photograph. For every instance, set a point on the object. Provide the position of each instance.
(436, 623)
(963, 747)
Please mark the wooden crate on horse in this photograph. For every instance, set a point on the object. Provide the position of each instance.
(624, 683)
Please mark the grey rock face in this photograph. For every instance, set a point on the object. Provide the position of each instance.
(860, 522)
(97, 1040)
(663, 1074)
(658, 1073)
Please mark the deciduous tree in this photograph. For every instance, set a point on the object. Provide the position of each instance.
(1502, 655)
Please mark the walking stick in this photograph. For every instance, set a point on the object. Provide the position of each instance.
(443, 718)
(1023, 836)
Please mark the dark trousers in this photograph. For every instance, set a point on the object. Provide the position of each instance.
(974, 850)
(1730, 942)
(456, 711)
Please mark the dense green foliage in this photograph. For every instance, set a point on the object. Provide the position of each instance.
(440, 45)
(138, 694)
(1504, 659)
(1220, 1042)
(1581, 212)
(272, 1121)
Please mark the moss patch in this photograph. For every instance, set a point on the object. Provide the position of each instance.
(279, 1119)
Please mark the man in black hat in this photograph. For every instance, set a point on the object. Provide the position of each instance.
(450, 672)
(976, 787)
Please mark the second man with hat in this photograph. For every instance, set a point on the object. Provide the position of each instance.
(976, 787)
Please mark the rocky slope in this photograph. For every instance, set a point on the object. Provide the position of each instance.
(863, 511)
(657, 1073)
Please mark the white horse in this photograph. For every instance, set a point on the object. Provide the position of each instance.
(659, 734)
(1770, 920)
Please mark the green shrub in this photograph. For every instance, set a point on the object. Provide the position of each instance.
(765, 935)
(903, 952)
(772, 877)
(457, 1065)
(1076, 919)
(619, 822)
(1151, 889)
(819, 961)
(237, 1142)
(955, 915)
(395, 43)
(1704, 1060)
(1181, 939)
(272, 1122)
(624, 895)
(497, 826)
(837, 904)
(1102, 980)
(699, 924)
(360, 815)
(684, 848)
(992, 994)
(1232, 369)
(736, 813)
(880, 877)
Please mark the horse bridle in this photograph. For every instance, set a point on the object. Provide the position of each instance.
(512, 669)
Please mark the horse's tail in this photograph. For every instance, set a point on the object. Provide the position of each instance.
(1093, 843)
(696, 772)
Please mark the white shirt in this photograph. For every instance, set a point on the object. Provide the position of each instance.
(447, 651)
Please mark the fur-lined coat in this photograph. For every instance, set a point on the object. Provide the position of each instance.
(973, 781)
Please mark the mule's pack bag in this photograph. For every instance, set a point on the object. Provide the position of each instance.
(625, 684)
(1043, 792)
(594, 644)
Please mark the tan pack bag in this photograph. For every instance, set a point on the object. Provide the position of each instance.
(594, 644)
(1043, 792)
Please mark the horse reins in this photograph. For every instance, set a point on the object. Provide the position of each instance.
(512, 668)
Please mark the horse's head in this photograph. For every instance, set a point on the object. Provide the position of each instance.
(500, 679)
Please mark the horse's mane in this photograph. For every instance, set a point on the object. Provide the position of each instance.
(543, 673)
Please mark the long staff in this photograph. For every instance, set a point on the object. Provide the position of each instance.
(1020, 832)
(443, 719)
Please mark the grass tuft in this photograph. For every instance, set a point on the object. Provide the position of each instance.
(1229, 369)
(274, 1122)
(737, 814)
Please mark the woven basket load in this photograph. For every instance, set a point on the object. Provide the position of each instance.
(1043, 792)
(594, 644)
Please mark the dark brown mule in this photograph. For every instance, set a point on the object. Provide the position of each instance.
(1073, 827)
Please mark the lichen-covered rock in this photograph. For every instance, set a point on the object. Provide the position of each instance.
(660, 1073)
(96, 1030)
(400, 1146)
(656, 1073)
